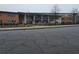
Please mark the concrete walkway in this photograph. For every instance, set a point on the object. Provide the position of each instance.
(36, 27)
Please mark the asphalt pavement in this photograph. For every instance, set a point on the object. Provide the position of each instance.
(40, 41)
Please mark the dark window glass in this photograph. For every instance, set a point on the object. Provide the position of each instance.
(11, 21)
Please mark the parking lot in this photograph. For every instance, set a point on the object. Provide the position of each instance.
(40, 41)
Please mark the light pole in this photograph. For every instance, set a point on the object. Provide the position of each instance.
(28, 16)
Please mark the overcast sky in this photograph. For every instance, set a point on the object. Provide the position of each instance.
(36, 7)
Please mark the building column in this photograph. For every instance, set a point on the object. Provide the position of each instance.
(75, 19)
(48, 20)
(41, 18)
(25, 20)
(34, 19)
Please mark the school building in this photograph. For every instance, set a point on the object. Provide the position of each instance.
(16, 18)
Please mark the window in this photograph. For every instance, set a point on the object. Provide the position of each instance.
(11, 21)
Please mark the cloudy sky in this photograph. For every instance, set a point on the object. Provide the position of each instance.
(36, 7)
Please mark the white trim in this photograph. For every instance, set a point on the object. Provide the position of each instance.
(34, 19)
(25, 19)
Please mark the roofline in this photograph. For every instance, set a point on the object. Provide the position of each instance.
(7, 12)
(32, 12)
(47, 12)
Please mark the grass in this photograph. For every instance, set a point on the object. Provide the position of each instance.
(30, 27)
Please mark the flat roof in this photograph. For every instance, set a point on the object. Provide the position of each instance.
(7, 12)
(33, 13)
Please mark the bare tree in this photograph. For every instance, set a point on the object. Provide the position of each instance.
(55, 11)
(74, 13)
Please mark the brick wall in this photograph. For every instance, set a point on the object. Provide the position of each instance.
(67, 20)
(9, 18)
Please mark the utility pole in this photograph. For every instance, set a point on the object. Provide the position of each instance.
(55, 11)
(28, 17)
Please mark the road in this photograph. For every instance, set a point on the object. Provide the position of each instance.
(40, 41)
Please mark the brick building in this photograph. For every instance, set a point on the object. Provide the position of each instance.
(9, 18)
(15, 18)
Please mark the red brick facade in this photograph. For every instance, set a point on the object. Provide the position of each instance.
(32, 18)
(9, 18)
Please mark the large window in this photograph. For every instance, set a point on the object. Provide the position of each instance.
(45, 19)
(37, 19)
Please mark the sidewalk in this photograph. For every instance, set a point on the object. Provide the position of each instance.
(36, 27)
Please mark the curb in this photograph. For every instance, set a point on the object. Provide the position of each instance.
(40, 27)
